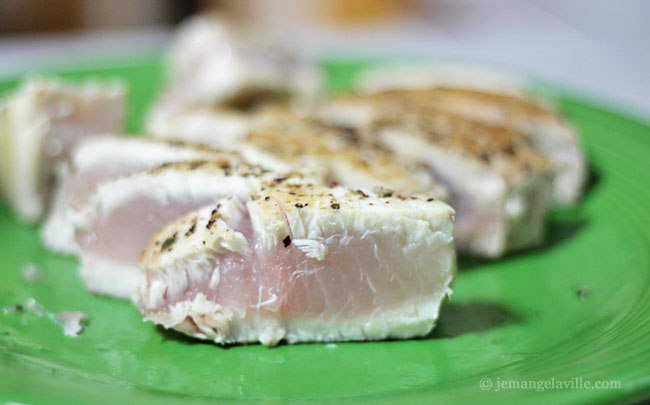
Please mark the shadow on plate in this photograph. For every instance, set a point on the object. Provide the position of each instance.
(458, 319)
(593, 180)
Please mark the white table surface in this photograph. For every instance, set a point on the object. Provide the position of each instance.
(599, 49)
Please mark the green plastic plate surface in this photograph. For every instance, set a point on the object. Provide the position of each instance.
(568, 322)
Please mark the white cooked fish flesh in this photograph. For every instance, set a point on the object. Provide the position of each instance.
(301, 263)
(39, 123)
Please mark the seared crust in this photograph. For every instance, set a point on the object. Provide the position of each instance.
(440, 96)
(143, 151)
(547, 132)
(419, 113)
(340, 156)
(499, 148)
(192, 236)
(223, 166)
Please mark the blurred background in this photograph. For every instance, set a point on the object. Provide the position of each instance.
(594, 48)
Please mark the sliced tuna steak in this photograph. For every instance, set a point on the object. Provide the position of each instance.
(550, 134)
(38, 126)
(123, 214)
(498, 184)
(284, 140)
(103, 158)
(212, 62)
(199, 125)
(301, 263)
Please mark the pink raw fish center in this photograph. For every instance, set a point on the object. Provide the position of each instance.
(360, 273)
(117, 239)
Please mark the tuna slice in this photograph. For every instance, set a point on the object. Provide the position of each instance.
(301, 263)
(200, 125)
(283, 140)
(550, 134)
(498, 184)
(123, 214)
(103, 158)
(38, 126)
(214, 63)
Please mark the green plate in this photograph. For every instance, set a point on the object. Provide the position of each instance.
(568, 322)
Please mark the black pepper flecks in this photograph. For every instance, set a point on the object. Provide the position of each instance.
(169, 242)
(430, 199)
(286, 241)
(192, 229)
(197, 164)
(350, 134)
(214, 215)
(336, 206)
(299, 205)
(278, 180)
